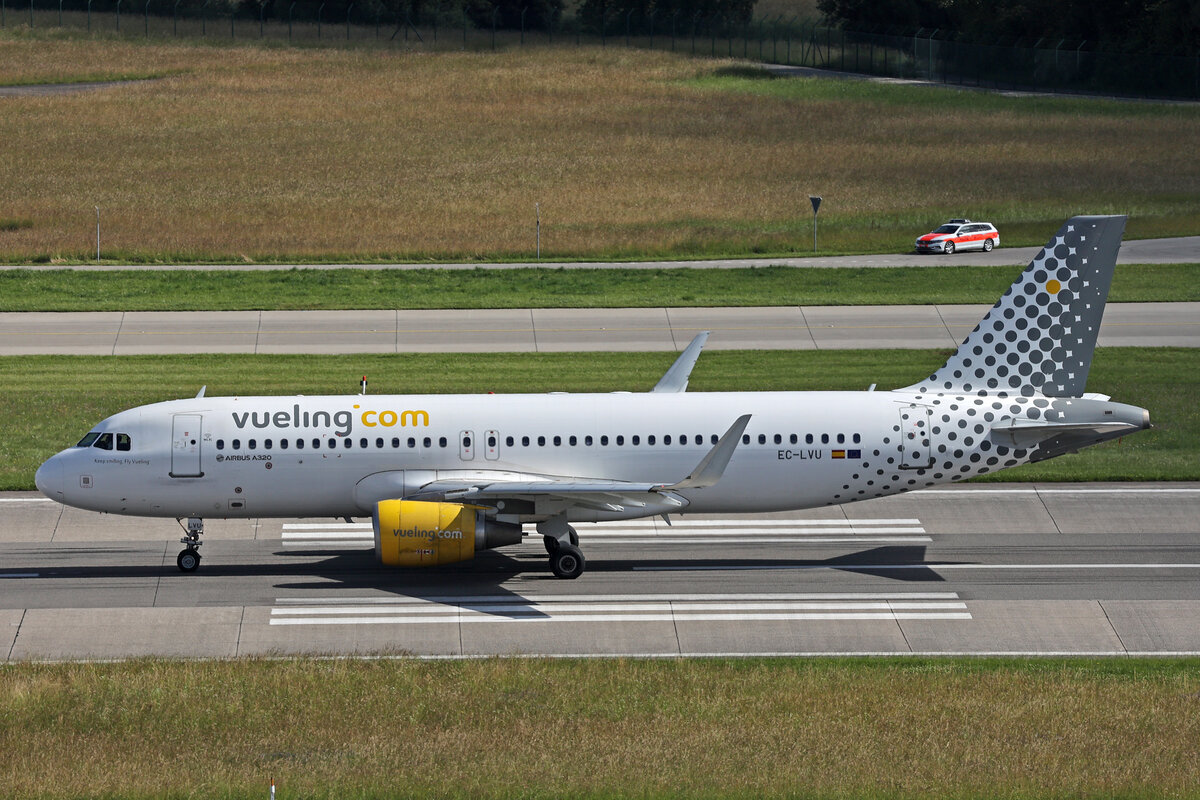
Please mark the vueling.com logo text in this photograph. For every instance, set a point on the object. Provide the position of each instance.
(341, 421)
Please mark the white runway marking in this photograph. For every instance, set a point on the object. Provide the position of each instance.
(697, 531)
(931, 565)
(623, 608)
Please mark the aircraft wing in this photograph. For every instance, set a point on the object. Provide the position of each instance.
(550, 494)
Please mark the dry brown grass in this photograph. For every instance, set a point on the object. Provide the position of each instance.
(637, 729)
(270, 152)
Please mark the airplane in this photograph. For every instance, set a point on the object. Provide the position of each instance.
(445, 476)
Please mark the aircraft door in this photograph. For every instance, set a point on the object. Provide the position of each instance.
(185, 446)
(466, 445)
(916, 442)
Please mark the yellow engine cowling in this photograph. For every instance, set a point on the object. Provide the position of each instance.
(411, 533)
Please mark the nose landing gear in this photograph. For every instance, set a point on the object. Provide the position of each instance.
(189, 558)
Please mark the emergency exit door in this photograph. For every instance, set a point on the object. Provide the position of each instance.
(185, 446)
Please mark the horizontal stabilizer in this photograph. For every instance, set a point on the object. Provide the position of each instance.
(1027, 433)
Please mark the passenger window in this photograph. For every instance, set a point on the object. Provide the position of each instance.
(604, 441)
(236, 444)
(332, 443)
(427, 443)
(762, 438)
(442, 441)
(363, 443)
(635, 440)
(714, 438)
(778, 439)
(316, 443)
(266, 444)
(395, 442)
(841, 438)
(412, 443)
(683, 440)
(541, 441)
(508, 441)
(87, 440)
(745, 438)
(573, 441)
(299, 444)
(667, 439)
(558, 441)
(650, 440)
(491, 441)
(283, 444)
(123, 441)
(587, 440)
(699, 438)
(105, 442)
(347, 443)
(252, 444)
(857, 438)
(466, 441)
(220, 444)
(824, 438)
(620, 441)
(524, 441)
(808, 438)
(379, 443)
(792, 439)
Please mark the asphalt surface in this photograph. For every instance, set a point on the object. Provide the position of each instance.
(549, 330)
(1181, 250)
(1004, 568)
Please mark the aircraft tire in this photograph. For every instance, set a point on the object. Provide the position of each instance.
(188, 560)
(567, 562)
(551, 544)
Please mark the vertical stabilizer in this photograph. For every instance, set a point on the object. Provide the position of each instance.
(1040, 336)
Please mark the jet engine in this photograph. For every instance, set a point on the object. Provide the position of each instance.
(411, 533)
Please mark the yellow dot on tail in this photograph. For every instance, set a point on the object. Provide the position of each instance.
(1053, 286)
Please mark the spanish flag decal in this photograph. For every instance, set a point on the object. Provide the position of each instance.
(839, 453)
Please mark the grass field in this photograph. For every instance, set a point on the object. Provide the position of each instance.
(278, 154)
(887, 728)
(46, 408)
(217, 290)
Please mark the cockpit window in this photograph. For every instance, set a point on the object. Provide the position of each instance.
(123, 441)
(87, 440)
(105, 442)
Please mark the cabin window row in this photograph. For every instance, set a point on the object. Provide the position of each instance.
(427, 442)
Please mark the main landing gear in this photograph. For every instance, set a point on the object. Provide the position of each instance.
(562, 543)
(189, 557)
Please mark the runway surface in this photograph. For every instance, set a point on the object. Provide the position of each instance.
(549, 330)
(1001, 568)
(1179, 250)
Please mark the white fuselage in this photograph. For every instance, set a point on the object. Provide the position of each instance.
(337, 456)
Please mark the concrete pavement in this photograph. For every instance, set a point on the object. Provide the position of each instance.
(549, 330)
(998, 568)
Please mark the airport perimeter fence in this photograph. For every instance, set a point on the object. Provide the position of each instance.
(926, 55)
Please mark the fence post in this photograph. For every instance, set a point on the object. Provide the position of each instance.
(523, 10)
(320, 8)
(262, 10)
(651, 29)
(204, 19)
(60, 13)
(291, 8)
(349, 8)
(30, 14)
(464, 16)
(147, 17)
(673, 16)
(495, 10)
(232, 15)
(118, 16)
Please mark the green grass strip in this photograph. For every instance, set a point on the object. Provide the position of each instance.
(545, 728)
(297, 289)
(51, 401)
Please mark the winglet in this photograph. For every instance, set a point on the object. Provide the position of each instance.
(676, 378)
(712, 466)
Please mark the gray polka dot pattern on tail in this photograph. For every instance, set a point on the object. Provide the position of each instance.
(1040, 336)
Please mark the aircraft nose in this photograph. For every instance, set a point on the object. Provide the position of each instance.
(49, 478)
